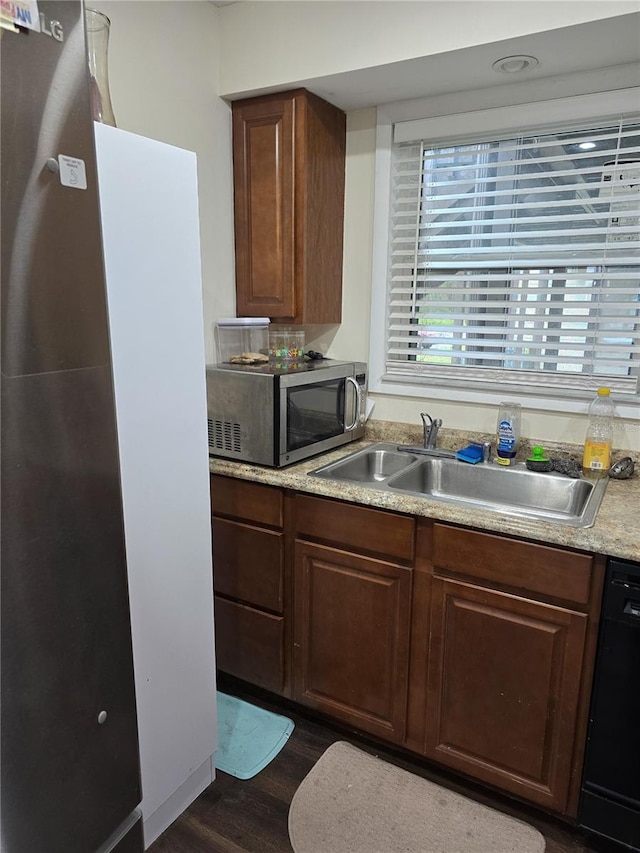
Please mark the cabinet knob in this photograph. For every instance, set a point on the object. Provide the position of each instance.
(102, 717)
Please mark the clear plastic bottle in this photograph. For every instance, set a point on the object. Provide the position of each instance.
(507, 432)
(596, 459)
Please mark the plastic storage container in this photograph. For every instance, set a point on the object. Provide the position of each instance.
(286, 344)
(596, 459)
(238, 335)
(507, 432)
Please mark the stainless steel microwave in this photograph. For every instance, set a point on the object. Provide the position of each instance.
(276, 414)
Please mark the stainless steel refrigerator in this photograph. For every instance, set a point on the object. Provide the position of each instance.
(70, 776)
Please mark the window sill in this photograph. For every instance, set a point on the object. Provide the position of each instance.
(550, 399)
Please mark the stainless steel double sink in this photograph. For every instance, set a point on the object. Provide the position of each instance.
(514, 490)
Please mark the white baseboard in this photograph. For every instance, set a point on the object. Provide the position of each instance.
(163, 817)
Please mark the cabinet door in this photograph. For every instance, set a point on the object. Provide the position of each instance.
(263, 164)
(352, 638)
(504, 677)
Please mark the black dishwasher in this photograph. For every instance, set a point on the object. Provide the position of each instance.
(610, 801)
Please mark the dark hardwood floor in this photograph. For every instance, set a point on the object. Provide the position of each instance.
(250, 816)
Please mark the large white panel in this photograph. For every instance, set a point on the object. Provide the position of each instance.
(149, 206)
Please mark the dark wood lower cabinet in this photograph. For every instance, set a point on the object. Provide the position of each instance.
(470, 648)
(250, 582)
(503, 688)
(352, 638)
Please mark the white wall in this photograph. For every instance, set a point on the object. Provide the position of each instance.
(288, 41)
(277, 44)
(274, 43)
(350, 340)
(169, 60)
(163, 60)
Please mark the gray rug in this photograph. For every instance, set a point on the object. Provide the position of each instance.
(352, 802)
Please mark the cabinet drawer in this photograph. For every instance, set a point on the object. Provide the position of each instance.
(248, 563)
(528, 566)
(250, 644)
(355, 527)
(246, 500)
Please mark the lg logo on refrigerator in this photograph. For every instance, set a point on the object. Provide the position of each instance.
(53, 29)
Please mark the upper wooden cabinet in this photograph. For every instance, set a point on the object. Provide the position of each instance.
(288, 167)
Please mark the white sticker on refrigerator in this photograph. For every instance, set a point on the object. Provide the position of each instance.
(72, 172)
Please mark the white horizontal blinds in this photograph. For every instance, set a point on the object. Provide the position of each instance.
(517, 257)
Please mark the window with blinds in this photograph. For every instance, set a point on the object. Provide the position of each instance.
(516, 260)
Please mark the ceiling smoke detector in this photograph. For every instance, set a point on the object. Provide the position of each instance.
(515, 64)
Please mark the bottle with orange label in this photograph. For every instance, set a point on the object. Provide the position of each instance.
(596, 459)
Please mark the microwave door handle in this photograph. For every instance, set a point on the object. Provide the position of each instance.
(357, 406)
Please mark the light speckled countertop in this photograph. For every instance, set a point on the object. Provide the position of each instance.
(616, 531)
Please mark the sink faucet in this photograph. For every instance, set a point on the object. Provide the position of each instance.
(429, 444)
(486, 449)
(431, 427)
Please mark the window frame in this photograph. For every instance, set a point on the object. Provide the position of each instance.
(404, 120)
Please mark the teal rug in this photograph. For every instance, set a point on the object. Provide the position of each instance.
(248, 737)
